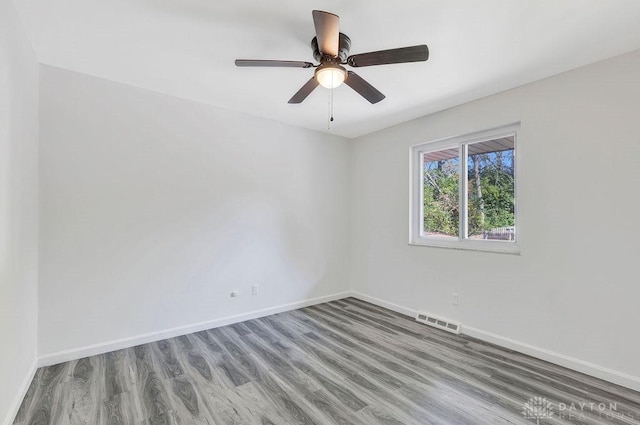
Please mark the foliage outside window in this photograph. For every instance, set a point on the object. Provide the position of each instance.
(464, 192)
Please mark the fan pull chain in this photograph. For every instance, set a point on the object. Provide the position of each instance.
(331, 109)
(329, 112)
(330, 106)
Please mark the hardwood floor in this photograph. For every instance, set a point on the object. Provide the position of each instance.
(344, 362)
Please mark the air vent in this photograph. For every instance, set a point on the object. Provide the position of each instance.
(438, 322)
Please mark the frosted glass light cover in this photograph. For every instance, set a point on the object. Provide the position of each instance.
(331, 77)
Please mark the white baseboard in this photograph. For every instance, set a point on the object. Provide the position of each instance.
(15, 406)
(609, 375)
(92, 350)
(382, 303)
(601, 372)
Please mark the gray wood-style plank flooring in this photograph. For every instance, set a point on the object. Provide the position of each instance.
(343, 362)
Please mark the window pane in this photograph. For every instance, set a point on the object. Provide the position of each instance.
(491, 187)
(440, 193)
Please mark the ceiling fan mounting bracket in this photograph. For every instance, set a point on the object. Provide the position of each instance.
(344, 46)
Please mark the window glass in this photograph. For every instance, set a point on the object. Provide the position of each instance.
(491, 190)
(441, 210)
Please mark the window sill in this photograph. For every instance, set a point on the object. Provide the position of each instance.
(495, 247)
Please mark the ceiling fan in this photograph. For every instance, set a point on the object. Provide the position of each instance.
(331, 48)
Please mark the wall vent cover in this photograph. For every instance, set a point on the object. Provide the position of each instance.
(438, 322)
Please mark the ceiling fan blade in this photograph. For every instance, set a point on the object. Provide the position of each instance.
(365, 89)
(327, 31)
(304, 91)
(270, 63)
(384, 57)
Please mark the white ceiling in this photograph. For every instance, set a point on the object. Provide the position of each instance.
(187, 48)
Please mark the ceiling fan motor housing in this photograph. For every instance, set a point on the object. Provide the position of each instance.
(344, 46)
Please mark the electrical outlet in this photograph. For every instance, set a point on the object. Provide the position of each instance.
(455, 300)
(255, 289)
(234, 294)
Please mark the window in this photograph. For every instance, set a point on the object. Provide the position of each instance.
(463, 192)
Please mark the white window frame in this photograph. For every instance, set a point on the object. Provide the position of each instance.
(416, 201)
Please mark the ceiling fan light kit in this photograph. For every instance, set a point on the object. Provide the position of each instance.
(330, 75)
(331, 48)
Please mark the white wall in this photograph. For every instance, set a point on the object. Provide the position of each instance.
(574, 290)
(18, 210)
(153, 209)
